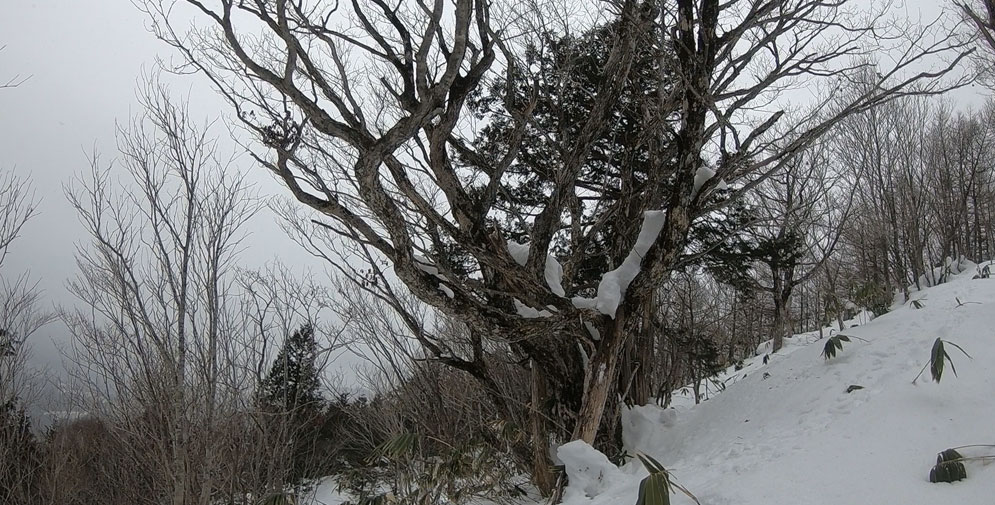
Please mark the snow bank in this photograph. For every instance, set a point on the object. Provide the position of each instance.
(590, 471)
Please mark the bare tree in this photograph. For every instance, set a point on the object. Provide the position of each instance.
(153, 331)
(959, 172)
(361, 110)
(286, 446)
(886, 151)
(807, 208)
(275, 303)
(14, 81)
(20, 317)
(979, 16)
(414, 395)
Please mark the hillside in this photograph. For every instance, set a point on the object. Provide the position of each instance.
(792, 434)
(787, 432)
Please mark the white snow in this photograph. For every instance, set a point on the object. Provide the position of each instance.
(590, 471)
(519, 252)
(700, 178)
(326, 493)
(529, 312)
(425, 265)
(584, 303)
(788, 432)
(553, 271)
(554, 276)
(938, 275)
(613, 284)
(595, 334)
(792, 434)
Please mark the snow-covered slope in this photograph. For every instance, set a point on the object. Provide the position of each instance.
(793, 435)
(788, 432)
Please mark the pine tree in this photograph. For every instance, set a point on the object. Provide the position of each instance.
(290, 392)
(292, 382)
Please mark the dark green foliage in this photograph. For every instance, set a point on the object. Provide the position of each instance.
(936, 359)
(655, 489)
(949, 467)
(380, 499)
(563, 75)
(948, 455)
(626, 171)
(938, 356)
(951, 471)
(835, 343)
(417, 470)
(289, 393)
(784, 250)
(731, 253)
(701, 353)
(874, 296)
(402, 445)
(293, 380)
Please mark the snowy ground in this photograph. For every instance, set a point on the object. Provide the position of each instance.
(797, 437)
(327, 494)
(788, 432)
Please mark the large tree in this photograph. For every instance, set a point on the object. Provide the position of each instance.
(979, 16)
(361, 109)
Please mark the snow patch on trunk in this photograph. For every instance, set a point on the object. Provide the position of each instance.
(529, 312)
(425, 265)
(553, 271)
(700, 178)
(613, 284)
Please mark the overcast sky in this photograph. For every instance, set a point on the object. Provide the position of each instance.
(83, 59)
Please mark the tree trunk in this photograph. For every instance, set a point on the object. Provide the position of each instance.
(600, 380)
(635, 373)
(542, 472)
(782, 316)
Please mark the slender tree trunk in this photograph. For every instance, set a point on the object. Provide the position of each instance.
(782, 314)
(542, 472)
